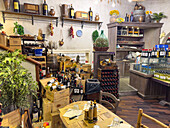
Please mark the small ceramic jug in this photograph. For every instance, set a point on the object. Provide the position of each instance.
(52, 12)
(97, 17)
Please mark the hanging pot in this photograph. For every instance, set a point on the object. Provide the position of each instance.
(7, 4)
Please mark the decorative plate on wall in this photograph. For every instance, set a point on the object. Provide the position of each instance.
(79, 33)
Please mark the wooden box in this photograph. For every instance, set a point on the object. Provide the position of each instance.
(3, 40)
(14, 47)
(47, 109)
(83, 83)
(85, 75)
(86, 67)
(54, 96)
(62, 102)
(82, 15)
(56, 121)
(40, 124)
(14, 41)
(31, 8)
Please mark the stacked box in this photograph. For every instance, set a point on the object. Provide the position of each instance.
(15, 43)
(3, 40)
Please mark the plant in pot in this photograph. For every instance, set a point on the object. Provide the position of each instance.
(16, 83)
(158, 17)
(101, 43)
(18, 29)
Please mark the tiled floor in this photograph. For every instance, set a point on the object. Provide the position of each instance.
(129, 106)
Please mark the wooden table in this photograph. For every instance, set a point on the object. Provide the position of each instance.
(105, 117)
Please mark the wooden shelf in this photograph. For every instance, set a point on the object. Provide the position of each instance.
(30, 15)
(142, 25)
(130, 43)
(81, 21)
(122, 36)
(127, 50)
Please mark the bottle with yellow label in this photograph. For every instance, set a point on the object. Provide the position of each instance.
(71, 12)
(45, 8)
(90, 15)
(16, 4)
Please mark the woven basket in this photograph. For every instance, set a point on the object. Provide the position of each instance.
(101, 48)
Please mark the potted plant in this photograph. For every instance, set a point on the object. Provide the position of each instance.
(158, 16)
(18, 29)
(17, 84)
(101, 43)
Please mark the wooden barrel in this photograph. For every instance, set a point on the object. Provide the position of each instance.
(52, 62)
(139, 15)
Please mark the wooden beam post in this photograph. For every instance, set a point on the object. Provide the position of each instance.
(139, 118)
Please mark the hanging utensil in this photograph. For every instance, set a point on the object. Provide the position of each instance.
(61, 42)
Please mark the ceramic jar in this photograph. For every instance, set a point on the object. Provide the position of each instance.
(97, 17)
(52, 12)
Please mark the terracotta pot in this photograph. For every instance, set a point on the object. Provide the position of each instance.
(7, 4)
(101, 48)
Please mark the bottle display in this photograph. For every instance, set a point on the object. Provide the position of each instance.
(90, 15)
(16, 5)
(71, 12)
(45, 8)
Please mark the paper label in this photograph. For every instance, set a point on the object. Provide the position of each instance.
(72, 12)
(162, 53)
(162, 77)
(91, 14)
(156, 75)
(45, 7)
(35, 116)
(16, 6)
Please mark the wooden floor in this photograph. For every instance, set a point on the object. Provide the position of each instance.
(129, 106)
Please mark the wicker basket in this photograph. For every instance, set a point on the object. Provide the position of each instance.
(101, 48)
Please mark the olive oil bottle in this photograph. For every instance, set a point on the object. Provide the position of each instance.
(45, 8)
(90, 15)
(95, 111)
(91, 113)
(16, 5)
(71, 12)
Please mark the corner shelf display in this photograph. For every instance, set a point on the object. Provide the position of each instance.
(31, 17)
(81, 21)
(128, 37)
(109, 81)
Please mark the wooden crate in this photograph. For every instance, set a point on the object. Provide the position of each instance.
(47, 109)
(40, 124)
(11, 119)
(62, 102)
(85, 75)
(14, 47)
(85, 67)
(56, 121)
(14, 41)
(3, 40)
(54, 96)
(83, 83)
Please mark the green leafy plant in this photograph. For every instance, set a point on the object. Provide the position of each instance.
(16, 81)
(95, 35)
(1, 26)
(18, 28)
(158, 16)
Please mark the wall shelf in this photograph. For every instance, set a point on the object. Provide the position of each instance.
(127, 50)
(81, 21)
(31, 16)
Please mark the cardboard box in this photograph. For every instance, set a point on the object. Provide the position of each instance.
(14, 47)
(14, 41)
(62, 102)
(56, 121)
(3, 40)
(83, 83)
(47, 109)
(54, 96)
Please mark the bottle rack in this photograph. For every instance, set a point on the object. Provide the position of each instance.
(109, 81)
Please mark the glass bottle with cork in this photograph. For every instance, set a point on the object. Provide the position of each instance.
(16, 4)
(90, 15)
(90, 119)
(45, 8)
(71, 12)
(95, 111)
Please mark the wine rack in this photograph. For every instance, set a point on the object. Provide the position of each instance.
(109, 81)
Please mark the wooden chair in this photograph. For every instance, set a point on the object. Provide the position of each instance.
(139, 121)
(114, 105)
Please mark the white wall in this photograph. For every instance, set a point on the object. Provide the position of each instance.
(78, 43)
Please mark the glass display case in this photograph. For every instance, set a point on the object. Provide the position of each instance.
(152, 65)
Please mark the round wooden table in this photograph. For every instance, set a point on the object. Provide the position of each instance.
(105, 117)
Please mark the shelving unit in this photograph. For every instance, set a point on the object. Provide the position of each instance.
(31, 16)
(81, 21)
(147, 38)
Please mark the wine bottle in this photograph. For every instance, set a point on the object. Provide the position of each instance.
(90, 15)
(95, 111)
(35, 113)
(131, 17)
(45, 8)
(71, 12)
(91, 113)
(16, 4)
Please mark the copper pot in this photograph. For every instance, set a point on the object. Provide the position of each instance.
(97, 17)
(52, 12)
(65, 10)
